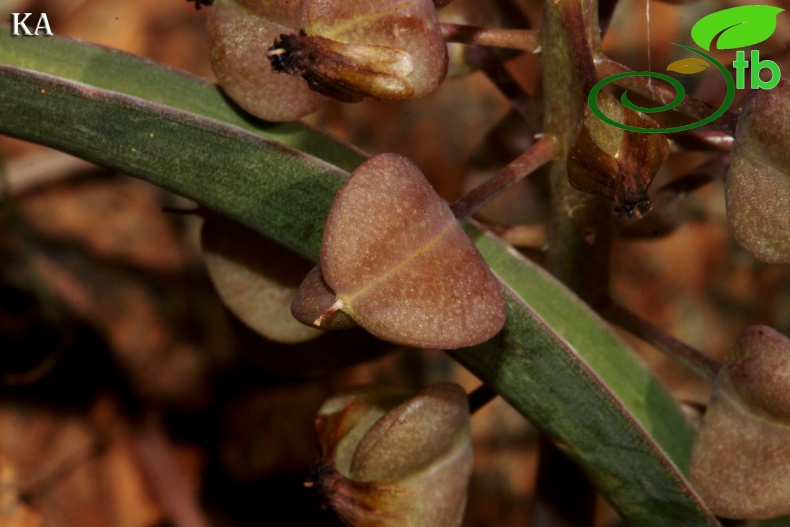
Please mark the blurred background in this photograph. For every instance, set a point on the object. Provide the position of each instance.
(126, 387)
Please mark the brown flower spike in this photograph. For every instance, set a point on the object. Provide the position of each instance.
(401, 266)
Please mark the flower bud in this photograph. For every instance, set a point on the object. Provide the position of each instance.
(740, 462)
(614, 163)
(391, 460)
(382, 49)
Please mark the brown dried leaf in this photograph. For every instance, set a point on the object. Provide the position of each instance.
(401, 264)
(76, 469)
(13, 511)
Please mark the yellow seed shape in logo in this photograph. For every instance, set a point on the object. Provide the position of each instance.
(689, 65)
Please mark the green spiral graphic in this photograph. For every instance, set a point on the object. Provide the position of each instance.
(680, 94)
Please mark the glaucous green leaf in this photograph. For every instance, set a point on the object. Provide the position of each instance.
(552, 345)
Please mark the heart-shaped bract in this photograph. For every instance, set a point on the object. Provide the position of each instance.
(389, 458)
(740, 463)
(758, 183)
(256, 279)
(401, 265)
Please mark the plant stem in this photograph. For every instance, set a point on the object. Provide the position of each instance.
(579, 235)
(565, 495)
(486, 60)
(662, 92)
(692, 358)
(573, 20)
(536, 156)
(580, 228)
(521, 39)
(523, 236)
(481, 396)
(703, 141)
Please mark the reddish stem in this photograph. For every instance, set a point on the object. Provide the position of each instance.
(690, 357)
(703, 141)
(481, 396)
(573, 20)
(537, 155)
(486, 60)
(521, 39)
(165, 477)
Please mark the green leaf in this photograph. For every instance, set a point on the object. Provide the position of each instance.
(555, 361)
(174, 130)
(739, 27)
(117, 71)
(562, 366)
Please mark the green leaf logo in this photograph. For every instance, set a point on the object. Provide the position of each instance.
(739, 27)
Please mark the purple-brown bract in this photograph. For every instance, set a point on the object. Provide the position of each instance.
(401, 265)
